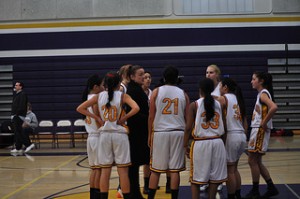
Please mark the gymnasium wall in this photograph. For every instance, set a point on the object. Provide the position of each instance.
(54, 85)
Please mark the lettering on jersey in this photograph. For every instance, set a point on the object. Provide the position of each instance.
(214, 123)
(167, 109)
(109, 114)
(237, 112)
(256, 111)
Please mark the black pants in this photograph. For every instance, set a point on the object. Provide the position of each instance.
(134, 182)
(21, 135)
(26, 139)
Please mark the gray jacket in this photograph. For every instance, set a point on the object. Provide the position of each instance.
(31, 119)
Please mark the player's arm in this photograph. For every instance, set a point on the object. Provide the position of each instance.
(189, 124)
(187, 104)
(223, 103)
(134, 108)
(82, 108)
(96, 112)
(272, 108)
(152, 112)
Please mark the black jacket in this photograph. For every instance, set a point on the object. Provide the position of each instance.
(138, 126)
(19, 105)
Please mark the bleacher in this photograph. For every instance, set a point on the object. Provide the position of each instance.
(286, 84)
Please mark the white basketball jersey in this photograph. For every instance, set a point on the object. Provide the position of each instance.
(233, 114)
(216, 92)
(90, 123)
(170, 109)
(150, 93)
(111, 115)
(260, 111)
(212, 128)
(124, 87)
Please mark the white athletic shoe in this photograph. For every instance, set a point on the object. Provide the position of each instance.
(16, 151)
(203, 187)
(29, 148)
(220, 187)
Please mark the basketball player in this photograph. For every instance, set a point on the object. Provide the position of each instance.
(166, 124)
(94, 87)
(113, 142)
(236, 128)
(207, 151)
(261, 125)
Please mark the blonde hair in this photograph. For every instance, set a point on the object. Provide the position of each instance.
(217, 70)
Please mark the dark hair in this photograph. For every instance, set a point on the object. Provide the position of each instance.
(132, 70)
(148, 73)
(20, 83)
(163, 81)
(206, 87)
(111, 82)
(234, 88)
(267, 81)
(171, 75)
(91, 82)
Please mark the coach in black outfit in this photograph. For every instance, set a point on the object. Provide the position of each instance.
(18, 114)
(138, 129)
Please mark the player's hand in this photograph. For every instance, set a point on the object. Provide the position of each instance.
(101, 123)
(121, 121)
(264, 127)
(187, 152)
(149, 142)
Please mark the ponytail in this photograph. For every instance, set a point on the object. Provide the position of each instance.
(209, 107)
(111, 82)
(239, 96)
(91, 82)
(110, 96)
(267, 82)
(84, 94)
(206, 88)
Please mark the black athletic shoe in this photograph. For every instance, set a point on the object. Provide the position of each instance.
(270, 193)
(252, 195)
(145, 190)
(168, 189)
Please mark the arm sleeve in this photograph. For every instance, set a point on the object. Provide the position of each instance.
(34, 122)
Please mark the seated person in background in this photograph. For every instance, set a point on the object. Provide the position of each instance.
(28, 126)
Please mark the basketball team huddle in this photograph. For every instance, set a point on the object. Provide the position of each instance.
(130, 126)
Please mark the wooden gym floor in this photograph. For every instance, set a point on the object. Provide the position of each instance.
(63, 173)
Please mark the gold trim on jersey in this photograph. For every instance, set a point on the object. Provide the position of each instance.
(206, 138)
(167, 170)
(259, 141)
(95, 167)
(261, 133)
(151, 148)
(114, 164)
(191, 160)
(218, 181)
